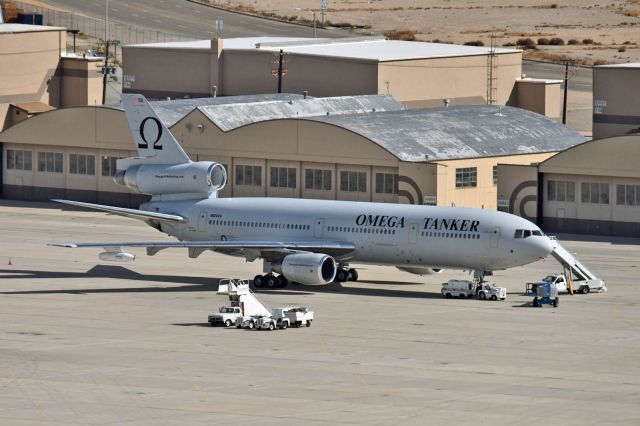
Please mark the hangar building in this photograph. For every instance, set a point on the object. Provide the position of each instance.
(591, 188)
(417, 74)
(364, 148)
(616, 105)
(37, 74)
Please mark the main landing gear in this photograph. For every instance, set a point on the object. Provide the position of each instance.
(346, 274)
(270, 281)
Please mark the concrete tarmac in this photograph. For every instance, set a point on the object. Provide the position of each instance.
(90, 343)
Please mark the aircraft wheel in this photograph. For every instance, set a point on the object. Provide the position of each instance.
(284, 326)
(353, 274)
(258, 281)
(270, 281)
(342, 275)
(281, 281)
(271, 326)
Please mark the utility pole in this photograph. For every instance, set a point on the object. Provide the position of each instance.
(566, 87)
(315, 31)
(280, 72)
(105, 71)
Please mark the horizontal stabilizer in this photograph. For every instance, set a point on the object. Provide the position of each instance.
(130, 213)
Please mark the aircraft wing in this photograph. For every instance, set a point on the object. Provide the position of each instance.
(130, 213)
(250, 249)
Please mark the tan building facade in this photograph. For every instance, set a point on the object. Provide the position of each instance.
(417, 74)
(35, 68)
(290, 148)
(616, 104)
(592, 188)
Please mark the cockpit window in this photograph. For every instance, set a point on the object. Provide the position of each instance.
(518, 233)
(538, 233)
(527, 233)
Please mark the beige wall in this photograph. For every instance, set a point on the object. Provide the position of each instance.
(81, 82)
(485, 194)
(518, 185)
(162, 72)
(458, 79)
(28, 66)
(539, 96)
(618, 88)
(249, 72)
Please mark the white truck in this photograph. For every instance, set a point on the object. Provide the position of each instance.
(458, 288)
(271, 322)
(490, 291)
(226, 316)
(298, 316)
(579, 286)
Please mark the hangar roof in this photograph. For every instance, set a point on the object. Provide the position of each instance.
(459, 132)
(364, 48)
(26, 28)
(411, 135)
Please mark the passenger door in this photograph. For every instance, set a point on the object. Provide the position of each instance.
(413, 233)
(318, 228)
(202, 221)
(495, 237)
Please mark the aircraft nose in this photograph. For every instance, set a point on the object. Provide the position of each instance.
(541, 246)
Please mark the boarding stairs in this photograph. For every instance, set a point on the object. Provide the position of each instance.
(578, 270)
(241, 295)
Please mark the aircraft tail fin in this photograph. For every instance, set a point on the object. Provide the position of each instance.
(152, 137)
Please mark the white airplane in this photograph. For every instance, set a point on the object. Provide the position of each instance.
(307, 241)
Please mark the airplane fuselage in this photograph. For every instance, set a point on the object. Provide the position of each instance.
(385, 234)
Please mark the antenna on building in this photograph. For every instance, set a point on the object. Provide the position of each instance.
(492, 74)
(446, 102)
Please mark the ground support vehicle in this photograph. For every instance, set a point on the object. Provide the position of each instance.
(226, 316)
(298, 316)
(459, 288)
(546, 294)
(268, 322)
(562, 283)
(487, 291)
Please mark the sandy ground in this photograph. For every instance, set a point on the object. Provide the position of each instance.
(613, 24)
(93, 343)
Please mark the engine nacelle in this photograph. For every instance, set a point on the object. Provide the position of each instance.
(419, 271)
(202, 177)
(309, 268)
(116, 256)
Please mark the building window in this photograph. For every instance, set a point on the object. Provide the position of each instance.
(466, 177)
(249, 175)
(109, 165)
(18, 159)
(353, 181)
(81, 164)
(50, 162)
(317, 179)
(595, 193)
(628, 195)
(495, 174)
(386, 183)
(283, 177)
(561, 190)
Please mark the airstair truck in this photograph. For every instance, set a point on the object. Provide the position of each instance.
(584, 280)
(240, 295)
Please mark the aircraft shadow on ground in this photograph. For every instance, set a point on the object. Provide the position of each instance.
(187, 284)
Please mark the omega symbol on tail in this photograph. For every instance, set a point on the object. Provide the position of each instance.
(156, 143)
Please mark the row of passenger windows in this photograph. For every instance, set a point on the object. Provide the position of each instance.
(53, 162)
(592, 193)
(264, 225)
(460, 235)
(357, 230)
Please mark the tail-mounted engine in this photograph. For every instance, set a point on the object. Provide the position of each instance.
(195, 180)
